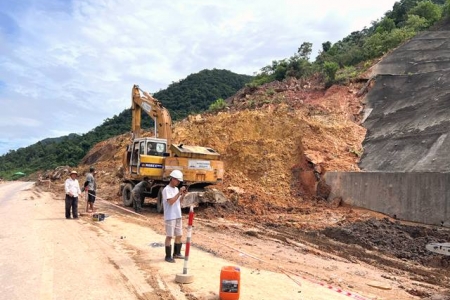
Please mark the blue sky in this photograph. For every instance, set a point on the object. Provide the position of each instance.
(65, 66)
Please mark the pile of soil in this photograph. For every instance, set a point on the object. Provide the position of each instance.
(266, 148)
(275, 142)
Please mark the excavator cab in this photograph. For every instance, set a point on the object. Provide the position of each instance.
(156, 148)
(146, 157)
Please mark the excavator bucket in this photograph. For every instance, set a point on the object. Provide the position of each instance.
(208, 196)
(440, 248)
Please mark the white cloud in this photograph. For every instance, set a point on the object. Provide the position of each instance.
(12, 120)
(65, 66)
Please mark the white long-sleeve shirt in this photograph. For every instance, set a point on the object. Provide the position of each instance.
(72, 186)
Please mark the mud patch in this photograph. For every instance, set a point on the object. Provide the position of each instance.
(392, 238)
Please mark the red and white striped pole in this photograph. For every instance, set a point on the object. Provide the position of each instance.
(188, 239)
(185, 278)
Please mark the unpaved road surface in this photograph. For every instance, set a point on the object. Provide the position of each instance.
(45, 256)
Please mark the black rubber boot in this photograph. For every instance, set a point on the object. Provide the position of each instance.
(168, 254)
(177, 251)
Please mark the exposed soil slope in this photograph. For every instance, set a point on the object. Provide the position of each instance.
(273, 147)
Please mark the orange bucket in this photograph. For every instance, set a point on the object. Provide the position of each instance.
(230, 285)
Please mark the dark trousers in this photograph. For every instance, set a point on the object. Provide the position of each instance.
(137, 201)
(91, 196)
(71, 203)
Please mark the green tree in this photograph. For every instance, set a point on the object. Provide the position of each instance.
(385, 25)
(327, 45)
(427, 10)
(330, 69)
(416, 23)
(446, 9)
(380, 43)
(305, 50)
(400, 11)
(218, 105)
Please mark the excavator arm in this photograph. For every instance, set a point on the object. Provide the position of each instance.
(141, 100)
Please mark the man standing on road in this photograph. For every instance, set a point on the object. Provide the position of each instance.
(90, 186)
(138, 194)
(72, 188)
(172, 198)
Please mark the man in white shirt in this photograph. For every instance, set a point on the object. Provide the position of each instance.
(72, 188)
(172, 198)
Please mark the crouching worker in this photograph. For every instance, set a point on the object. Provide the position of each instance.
(138, 194)
(172, 198)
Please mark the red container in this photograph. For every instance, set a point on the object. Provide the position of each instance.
(230, 283)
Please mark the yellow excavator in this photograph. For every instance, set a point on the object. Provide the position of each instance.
(155, 157)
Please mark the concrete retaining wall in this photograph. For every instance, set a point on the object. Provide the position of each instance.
(416, 197)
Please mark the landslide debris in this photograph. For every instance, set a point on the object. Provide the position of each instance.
(275, 141)
(272, 137)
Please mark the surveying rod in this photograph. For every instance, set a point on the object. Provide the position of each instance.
(188, 239)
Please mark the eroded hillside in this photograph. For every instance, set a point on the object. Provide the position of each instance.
(271, 139)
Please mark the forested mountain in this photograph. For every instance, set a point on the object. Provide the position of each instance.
(193, 94)
(196, 93)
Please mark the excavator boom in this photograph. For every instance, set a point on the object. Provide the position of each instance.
(154, 108)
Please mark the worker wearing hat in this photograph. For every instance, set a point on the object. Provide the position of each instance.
(172, 198)
(72, 188)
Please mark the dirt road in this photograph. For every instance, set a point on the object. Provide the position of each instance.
(45, 256)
